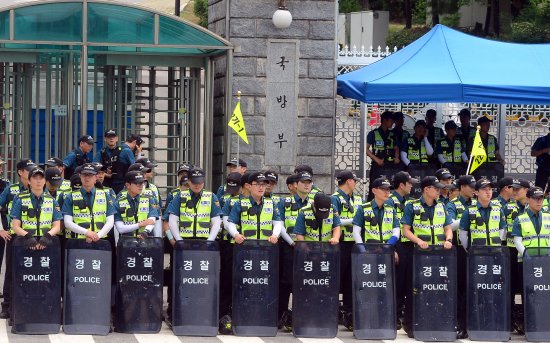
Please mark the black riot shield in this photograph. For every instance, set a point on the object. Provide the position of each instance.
(389, 170)
(87, 301)
(315, 289)
(434, 297)
(456, 168)
(36, 297)
(139, 285)
(536, 294)
(373, 291)
(255, 288)
(493, 171)
(419, 171)
(489, 309)
(195, 288)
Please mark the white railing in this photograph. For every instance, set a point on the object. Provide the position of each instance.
(354, 56)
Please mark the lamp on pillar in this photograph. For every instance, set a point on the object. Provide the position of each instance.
(282, 17)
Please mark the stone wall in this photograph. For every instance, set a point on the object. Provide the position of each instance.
(250, 30)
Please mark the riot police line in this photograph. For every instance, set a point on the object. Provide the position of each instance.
(36, 305)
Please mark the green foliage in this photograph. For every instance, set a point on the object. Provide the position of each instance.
(405, 37)
(419, 12)
(451, 20)
(201, 11)
(347, 6)
(532, 25)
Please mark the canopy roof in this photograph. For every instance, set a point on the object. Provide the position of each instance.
(105, 27)
(446, 65)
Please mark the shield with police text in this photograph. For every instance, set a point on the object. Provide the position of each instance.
(195, 288)
(493, 171)
(315, 289)
(373, 291)
(255, 288)
(36, 299)
(536, 294)
(420, 171)
(434, 294)
(489, 311)
(87, 300)
(139, 285)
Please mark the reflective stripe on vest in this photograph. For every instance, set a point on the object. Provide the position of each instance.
(374, 233)
(142, 211)
(195, 220)
(530, 238)
(82, 215)
(348, 212)
(430, 232)
(319, 234)
(399, 209)
(383, 148)
(291, 208)
(38, 226)
(260, 225)
(482, 233)
(451, 153)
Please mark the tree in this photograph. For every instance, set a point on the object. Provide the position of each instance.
(201, 11)
(347, 6)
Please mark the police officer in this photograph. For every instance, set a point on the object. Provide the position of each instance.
(233, 166)
(36, 213)
(435, 134)
(453, 190)
(195, 213)
(451, 152)
(417, 149)
(403, 183)
(89, 212)
(109, 155)
(541, 150)
(78, 156)
(445, 178)
(399, 134)
(456, 209)
(126, 158)
(307, 168)
(465, 132)
(346, 204)
(136, 212)
(299, 186)
(183, 185)
(489, 141)
(546, 203)
(6, 201)
(272, 179)
(4, 183)
(54, 162)
(520, 195)
(149, 174)
(101, 172)
(425, 222)
(381, 147)
(317, 222)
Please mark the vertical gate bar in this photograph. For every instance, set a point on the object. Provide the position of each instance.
(37, 112)
(48, 109)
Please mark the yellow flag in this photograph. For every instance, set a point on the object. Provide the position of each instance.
(478, 153)
(237, 123)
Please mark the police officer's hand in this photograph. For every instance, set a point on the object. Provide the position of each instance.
(396, 160)
(379, 161)
(44, 241)
(334, 241)
(273, 239)
(396, 257)
(146, 222)
(172, 242)
(143, 235)
(91, 236)
(30, 241)
(239, 239)
(5, 235)
(109, 172)
(447, 245)
(422, 244)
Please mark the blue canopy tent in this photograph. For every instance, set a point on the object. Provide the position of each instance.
(446, 65)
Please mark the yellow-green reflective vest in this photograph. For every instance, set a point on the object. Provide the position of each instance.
(348, 212)
(530, 239)
(291, 208)
(65, 186)
(14, 191)
(399, 209)
(545, 204)
(511, 211)
(155, 192)
(481, 232)
(373, 233)
(195, 220)
(225, 236)
(37, 223)
(430, 230)
(311, 195)
(383, 149)
(313, 231)
(414, 153)
(451, 151)
(257, 225)
(491, 148)
(128, 215)
(93, 220)
(276, 199)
